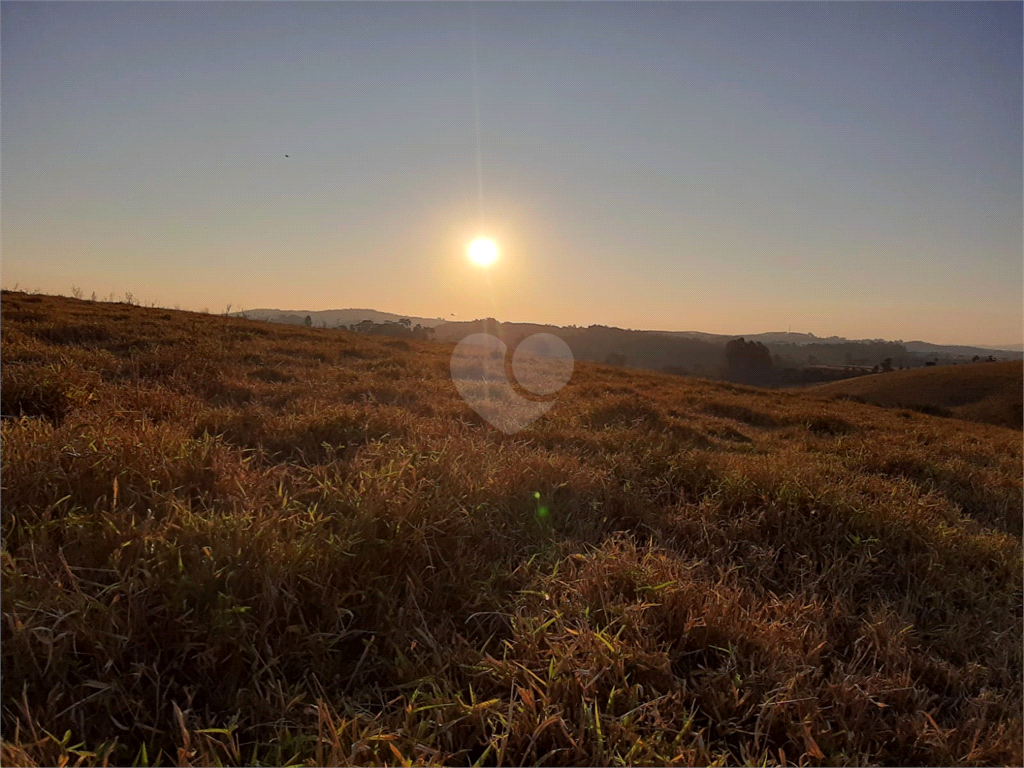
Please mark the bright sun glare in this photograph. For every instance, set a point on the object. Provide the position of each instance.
(483, 252)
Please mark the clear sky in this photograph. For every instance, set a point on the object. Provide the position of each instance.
(839, 167)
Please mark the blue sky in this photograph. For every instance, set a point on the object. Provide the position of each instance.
(841, 168)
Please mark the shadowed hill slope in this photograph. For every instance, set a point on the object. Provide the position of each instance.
(986, 392)
(228, 542)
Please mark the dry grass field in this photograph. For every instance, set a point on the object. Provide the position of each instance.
(230, 542)
(987, 392)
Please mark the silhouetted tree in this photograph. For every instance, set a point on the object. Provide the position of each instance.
(748, 361)
(887, 364)
(308, 321)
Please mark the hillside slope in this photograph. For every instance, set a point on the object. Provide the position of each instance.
(233, 542)
(986, 392)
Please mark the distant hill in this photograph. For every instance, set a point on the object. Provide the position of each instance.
(1007, 347)
(510, 333)
(986, 392)
(636, 349)
(784, 343)
(797, 358)
(956, 350)
(941, 351)
(770, 337)
(332, 318)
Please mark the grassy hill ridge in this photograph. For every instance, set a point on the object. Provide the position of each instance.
(987, 392)
(232, 542)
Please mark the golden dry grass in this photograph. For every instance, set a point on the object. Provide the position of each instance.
(988, 392)
(229, 542)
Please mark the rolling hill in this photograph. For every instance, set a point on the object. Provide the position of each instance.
(988, 392)
(230, 542)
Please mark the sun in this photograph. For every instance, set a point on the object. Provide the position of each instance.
(483, 252)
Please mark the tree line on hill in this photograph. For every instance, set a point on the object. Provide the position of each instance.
(402, 329)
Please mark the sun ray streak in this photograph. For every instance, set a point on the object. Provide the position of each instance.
(476, 112)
